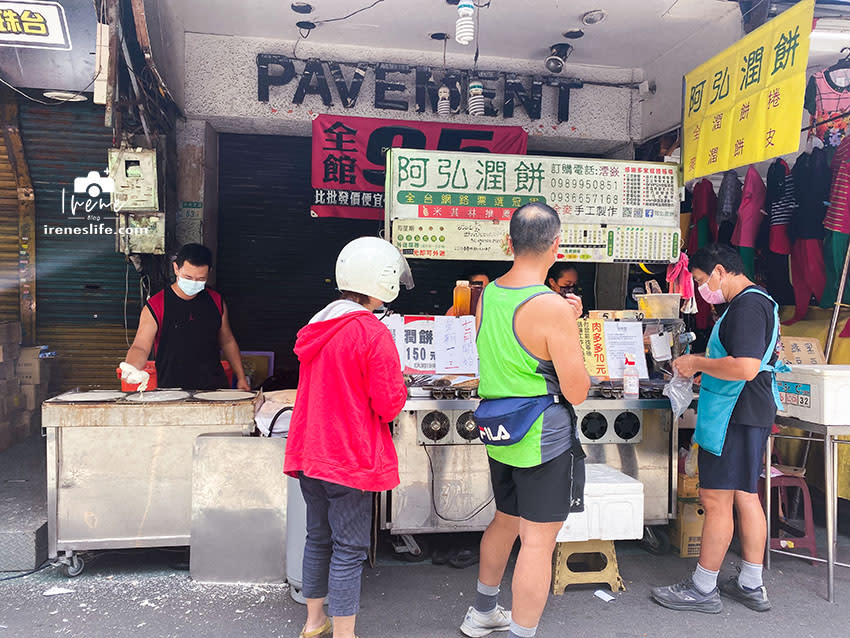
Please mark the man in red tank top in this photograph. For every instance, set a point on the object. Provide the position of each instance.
(187, 326)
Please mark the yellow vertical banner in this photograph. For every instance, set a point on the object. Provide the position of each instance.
(745, 105)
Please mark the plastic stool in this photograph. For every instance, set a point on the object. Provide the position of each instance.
(807, 540)
(598, 561)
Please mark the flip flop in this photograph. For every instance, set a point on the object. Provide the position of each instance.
(325, 631)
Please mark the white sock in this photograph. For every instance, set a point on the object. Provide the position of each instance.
(518, 631)
(750, 576)
(705, 580)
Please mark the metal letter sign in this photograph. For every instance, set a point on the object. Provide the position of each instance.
(34, 25)
(444, 205)
(745, 105)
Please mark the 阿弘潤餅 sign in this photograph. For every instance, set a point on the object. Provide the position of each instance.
(745, 105)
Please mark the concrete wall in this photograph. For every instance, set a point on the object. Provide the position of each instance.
(663, 111)
(221, 88)
(197, 184)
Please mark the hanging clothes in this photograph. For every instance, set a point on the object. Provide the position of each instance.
(750, 215)
(780, 204)
(837, 224)
(704, 217)
(728, 202)
(809, 275)
(812, 180)
(825, 99)
(703, 231)
(838, 213)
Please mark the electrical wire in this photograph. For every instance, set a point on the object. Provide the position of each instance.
(75, 95)
(475, 513)
(29, 573)
(350, 15)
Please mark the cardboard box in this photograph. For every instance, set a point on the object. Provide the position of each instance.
(10, 332)
(31, 369)
(7, 436)
(688, 488)
(33, 395)
(686, 530)
(7, 370)
(9, 352)
(21, 426)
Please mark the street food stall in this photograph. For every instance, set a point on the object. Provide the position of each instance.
(458, 206)
(119, 465)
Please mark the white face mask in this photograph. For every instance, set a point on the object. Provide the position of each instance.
(190, 286)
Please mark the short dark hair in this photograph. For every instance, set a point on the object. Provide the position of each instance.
(559, 270)
(709, 257)
(533, 228)
(195, 254)
(356, 297)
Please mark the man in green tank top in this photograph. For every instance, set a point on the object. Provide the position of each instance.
(528, 346)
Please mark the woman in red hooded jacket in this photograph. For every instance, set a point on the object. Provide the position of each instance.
(340, 445)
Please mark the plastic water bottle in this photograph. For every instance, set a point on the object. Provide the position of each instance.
(631, 379)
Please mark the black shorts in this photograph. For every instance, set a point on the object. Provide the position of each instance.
(740, 462)
(544, 493)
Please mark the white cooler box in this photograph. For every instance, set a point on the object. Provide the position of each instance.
(613, 508)
(816, 393)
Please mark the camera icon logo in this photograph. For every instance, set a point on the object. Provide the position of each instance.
(94, 184)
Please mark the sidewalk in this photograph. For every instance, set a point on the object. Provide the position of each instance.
(136, 594)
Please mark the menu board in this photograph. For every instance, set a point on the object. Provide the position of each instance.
(434, 345)
(444, 205)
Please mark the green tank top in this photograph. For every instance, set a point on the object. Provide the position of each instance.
(508, 369)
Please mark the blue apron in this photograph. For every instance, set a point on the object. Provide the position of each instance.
(717, 398)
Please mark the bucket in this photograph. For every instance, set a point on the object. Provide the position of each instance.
(150, 368)
(659, 306)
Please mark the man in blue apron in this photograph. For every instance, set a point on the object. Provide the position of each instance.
(738, 400)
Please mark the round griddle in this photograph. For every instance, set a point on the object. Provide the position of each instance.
(225, 395)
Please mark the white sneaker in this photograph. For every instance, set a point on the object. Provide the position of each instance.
(478, 624)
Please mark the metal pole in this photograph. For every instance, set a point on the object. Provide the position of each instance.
(767, 499)
(829, 483)
(830, 340)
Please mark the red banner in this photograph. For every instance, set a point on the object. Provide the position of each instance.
(348, 157)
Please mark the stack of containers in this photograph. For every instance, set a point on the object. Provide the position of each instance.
(11, 400)
(24, 376)
(33, 372)
(686, 530)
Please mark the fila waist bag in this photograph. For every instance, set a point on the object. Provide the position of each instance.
(506, 421)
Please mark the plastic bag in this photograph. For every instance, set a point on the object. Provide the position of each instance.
(680, 391)
(691, 461)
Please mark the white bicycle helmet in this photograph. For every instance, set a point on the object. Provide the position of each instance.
(372, 266)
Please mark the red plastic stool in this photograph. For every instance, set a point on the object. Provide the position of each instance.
(807, 540)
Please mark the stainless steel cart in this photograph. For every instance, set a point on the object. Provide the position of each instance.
(119, 474)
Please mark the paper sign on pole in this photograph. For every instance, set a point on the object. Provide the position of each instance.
(745, 105)
(624, 338)
(455, 345)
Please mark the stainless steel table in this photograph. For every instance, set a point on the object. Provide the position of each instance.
(829, 434)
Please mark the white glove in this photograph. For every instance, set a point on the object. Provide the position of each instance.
(131, 374)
